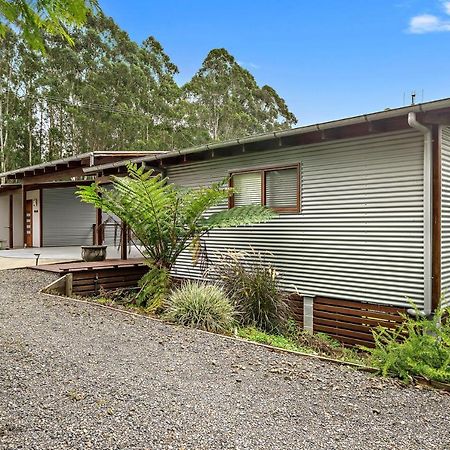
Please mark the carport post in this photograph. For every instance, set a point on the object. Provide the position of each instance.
(124, 243)
(98, 227)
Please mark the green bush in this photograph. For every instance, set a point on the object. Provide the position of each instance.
(419, 347)
(200, 305)
(252, 284)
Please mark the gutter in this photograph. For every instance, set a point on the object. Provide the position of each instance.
(427, 210)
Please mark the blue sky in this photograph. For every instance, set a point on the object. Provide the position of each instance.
(328, 58)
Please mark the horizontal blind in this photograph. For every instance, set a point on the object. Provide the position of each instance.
(247, 188)
(281, 188)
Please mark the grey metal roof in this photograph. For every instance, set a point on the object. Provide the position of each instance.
(79, 157)
(385, 114)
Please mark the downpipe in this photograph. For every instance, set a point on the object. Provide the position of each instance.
(427, 211)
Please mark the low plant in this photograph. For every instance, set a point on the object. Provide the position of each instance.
(275, 340)
(325, 345)
(200, 305)
(252, 284)
(420, 346)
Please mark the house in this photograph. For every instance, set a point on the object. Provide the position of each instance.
(364, 211)
(38, 207)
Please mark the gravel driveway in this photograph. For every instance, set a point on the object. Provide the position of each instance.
(74, 376)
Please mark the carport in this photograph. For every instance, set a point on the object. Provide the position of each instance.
(39, 208)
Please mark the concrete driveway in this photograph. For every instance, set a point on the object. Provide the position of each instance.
(26, 257)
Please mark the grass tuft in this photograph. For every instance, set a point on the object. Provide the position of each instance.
(200, 305)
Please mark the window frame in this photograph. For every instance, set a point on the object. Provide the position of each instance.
(263, 170)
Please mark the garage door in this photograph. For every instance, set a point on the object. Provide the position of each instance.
(66, 220)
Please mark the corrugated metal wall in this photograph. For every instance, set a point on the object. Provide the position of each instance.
(4, 218)
(445, 215)
(360, 231)
(66, 220)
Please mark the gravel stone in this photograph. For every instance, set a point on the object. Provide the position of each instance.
(75, 376)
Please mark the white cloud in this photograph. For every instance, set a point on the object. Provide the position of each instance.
(248, 65)
(429, 23)
(446, 6)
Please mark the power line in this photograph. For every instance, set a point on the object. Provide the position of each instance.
(99, 107)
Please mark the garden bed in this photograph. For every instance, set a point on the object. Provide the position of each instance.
(319, 346)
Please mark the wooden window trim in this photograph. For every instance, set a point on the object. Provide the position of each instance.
(263, 170)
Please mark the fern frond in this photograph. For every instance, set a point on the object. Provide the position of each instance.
(241, 215)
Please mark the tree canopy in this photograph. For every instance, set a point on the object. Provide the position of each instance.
(107, 92)
(227, 102)
(50, 16)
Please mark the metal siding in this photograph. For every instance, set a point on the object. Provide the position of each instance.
(66, 220)
(4, 218)
(359, 235)
(445, 216)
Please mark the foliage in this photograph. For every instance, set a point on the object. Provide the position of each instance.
(167, 219)
(228, 102)
(107, 92)
(418, 347)
(275, 340)
(52, 16)
(297, 340)
(200, 305)
(253, 285)
(324, 345)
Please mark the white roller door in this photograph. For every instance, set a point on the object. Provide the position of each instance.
(66, 220)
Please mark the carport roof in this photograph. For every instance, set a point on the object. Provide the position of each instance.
(81, 161)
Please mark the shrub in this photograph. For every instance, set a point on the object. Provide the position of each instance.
(420, 346)
(252, 284)
(200, 305)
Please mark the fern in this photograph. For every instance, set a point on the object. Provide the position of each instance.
(418, 347)
(167, 220)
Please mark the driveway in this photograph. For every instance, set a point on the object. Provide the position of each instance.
(75, 376)
(26, 257)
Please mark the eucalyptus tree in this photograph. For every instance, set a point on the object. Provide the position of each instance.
(34, 18)
(227, 101)
(107, 92)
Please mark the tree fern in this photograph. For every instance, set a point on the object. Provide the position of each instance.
(167, 219)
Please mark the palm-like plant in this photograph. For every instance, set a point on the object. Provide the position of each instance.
(167, 219)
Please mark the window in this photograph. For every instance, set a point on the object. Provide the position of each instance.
(275, 187)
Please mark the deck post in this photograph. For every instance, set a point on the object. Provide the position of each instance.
(124, 242)
(68, 289)
(308, 313)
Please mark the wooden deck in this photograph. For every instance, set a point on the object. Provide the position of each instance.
(91, 278)
(82, 266)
